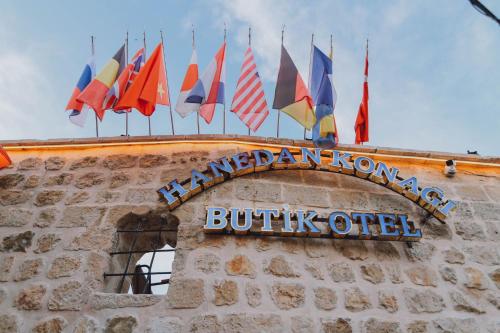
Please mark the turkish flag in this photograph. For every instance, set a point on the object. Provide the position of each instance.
(149, 88)
(4, 159)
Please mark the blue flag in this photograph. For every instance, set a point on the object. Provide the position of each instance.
(324, 132)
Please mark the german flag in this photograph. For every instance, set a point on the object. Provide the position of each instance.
(95, 93)
(291, 95)
(4, 159)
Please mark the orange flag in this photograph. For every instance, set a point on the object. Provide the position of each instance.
(149, 88)
(4, 159)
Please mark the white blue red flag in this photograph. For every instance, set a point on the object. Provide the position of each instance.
(183, 108)
(78, 113)
(209, 89)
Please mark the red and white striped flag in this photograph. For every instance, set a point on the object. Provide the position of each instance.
(249, 101)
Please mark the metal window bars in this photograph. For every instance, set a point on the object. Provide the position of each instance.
(142, 274)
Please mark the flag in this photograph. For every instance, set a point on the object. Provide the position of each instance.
(190, 79)
(361, 126)
(78, 113)
(249, 101)
(123, 81)
(149, 88)
(324, 97)
(95, 93)
(209, 88)
(291, 95)
(4, 159)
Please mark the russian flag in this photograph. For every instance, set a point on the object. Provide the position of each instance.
(78, 112)
(182, 107)
(209, 89)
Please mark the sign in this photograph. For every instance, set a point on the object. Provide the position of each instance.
(301, 223)
(430, 198)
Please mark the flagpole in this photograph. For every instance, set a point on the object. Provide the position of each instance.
(249, 45)
(144, 43)
(168, 86)
(224, 107)
(309, 75)
(197, 113)
(92, 49)
(126, 56)
(279, 111)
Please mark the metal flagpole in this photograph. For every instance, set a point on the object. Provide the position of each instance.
(126, 56)
(224, 108)
(144, 42)
(168, 86)
(309, 75)
(197, 112)
(92, 49)
(279, 111)
(249, 45)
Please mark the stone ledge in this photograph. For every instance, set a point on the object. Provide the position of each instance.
(101, 301)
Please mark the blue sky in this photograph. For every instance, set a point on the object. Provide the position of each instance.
(434, 65)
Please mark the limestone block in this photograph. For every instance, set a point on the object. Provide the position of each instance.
(15, 217)
(257, 191)
(461, 303)
(420, 301)
(204, 323)
(226, 293)
(339, 325)
(52, 325)
(32, 182)
(394, 273)
(279, 266)
(434, 229)
(120, 161)
(85, 162)
(61, 179)
(325, 298)
(352, 249)
(165, 324)
(305, 196)
(121, 324)
(81, 216)
(315, 269)
(207, 263)
(495, 277)
(454, 256)
(99, 301)
(93, 239)
(185, 293)
(471, 192)
(48, 197)
(356, 300)
(152, 161)
(484, 254)
(317, 248)
(373, 325)
(341, 272)
(301, 324)
(256, 323)
(76, 198)
(28, 269)
(70, 296)
(17, 242)
(54, 163)
(448, 274)
(455, 325)
(288, 295)
(240, 265)
(388, 301)
(469, 230)
(89, 179)
(418, 326)
(422, 275)
(475, 279)
(6, 263)
(486, 211)
(107, 197)
(85, 325)
(263, 244)
(253, 294)
(63, 266)
(11, 180)
(141, 195)
(385, 251)
(13, 197)
(46, 217)
(373, 273)
(30, 298)
(119, 179)
(32, 163)
(420, 251)
(9, 323)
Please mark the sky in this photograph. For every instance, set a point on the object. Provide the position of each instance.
(434, 65)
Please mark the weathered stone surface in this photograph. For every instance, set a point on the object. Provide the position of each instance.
(339, 325)
(185, 293)
(234, 323)
(325, 298)
(448, 274)
(52, 325)
(394, 273)
(303, 195)
(317, 248)
(454, 256)
(263, 192)
(3, 295)
(28, 269)
(356, 300)
(89, 179)
(49, 197)
(32, 182)
(121, 324)
(253, 293)
(434, 229)
(484, 254)
(11, 180)
(46, 217)
(494, 299)
(61, 179)
(422, 275)
(119, 179)
(120, 161)
(70, 296)
(30, 298)
(240, 265)
(100, 301)
(419, 301)
(152, 161)
(493, 231)
(300, 324)
(373, 325)
(6, 263)
(165, 324)
(352, 249)
(86, 162)
(341, 272)
(469, 230)
(263, 244)
(18, 242)
(145, 177)
(455, 325)
(315, 269)
(46, 242)
(387, 301)
(373, 273)
(95, 266)
(93, 239)
(204, 323)
(495, 277)
(9, 323)
(207, 263)
(386, 251)
(418, 326)
(31, 163)
(81, 216)
(76, 198)
(15, 217)
(279, 266)
(85, 325)
(13, 197)
(461, 303)
(474, 278)
(288, 295)
(420, 251)
(63, 266)
(226, 292)
(54, 163)
(107, 197)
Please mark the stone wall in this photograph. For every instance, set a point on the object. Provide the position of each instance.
(60, 206)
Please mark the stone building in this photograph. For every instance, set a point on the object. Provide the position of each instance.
(64, 202)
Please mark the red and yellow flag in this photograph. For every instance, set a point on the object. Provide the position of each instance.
(4, 159)
(361, 125)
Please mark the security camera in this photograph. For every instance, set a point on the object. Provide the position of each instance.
(450, 169)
